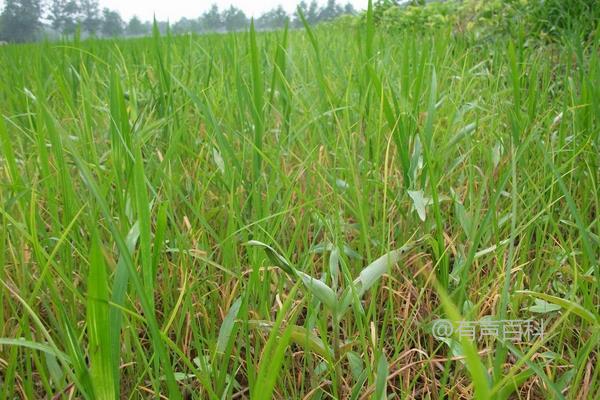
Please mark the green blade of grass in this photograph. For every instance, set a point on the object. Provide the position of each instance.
(98, 326)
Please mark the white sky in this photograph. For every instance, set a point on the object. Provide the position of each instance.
(175, 9)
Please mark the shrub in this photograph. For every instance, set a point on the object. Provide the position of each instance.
(415, 17)
(539, 18)
(553, 17)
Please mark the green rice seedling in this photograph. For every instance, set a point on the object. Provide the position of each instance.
(336, 304)
(101, 363)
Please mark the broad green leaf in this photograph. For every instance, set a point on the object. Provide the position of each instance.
(543, 307)
(300, 335)
(227, 326)
(356, 364)
(455, 348)
(588, 315)
(419, 202)
(274, 256)
(320, 290)
(54, 368)
(303, 337)
(381, 379)
(218, 160)
(376, 269)
(463, 217)
(367, 278)
(467, 130)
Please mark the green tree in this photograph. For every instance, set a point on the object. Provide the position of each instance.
(273, 19)
(381, 6)
(90, 16)
(112, 24)
(211, 20)
(55, 15)
(71, 17)
(312, 14)
(234, 19)
(64, 15)
(185, 25)
(136, 27)
(349, 9)
(20, 20)
(331, 11)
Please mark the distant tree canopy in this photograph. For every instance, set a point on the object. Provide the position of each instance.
(276, 18)
(211, 20)
(136, 27)
(112, 24)
(310, 13)
(234, 19)
(21, 20)
(64, 15)
(90, 16)
(331, 11)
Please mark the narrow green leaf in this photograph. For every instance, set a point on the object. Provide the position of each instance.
(98, 325)
(272, 356)
(22, 342)
(301, 336)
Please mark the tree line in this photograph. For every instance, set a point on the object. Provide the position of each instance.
(29, 20)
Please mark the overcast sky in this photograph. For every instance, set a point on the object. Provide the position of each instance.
(175, 9)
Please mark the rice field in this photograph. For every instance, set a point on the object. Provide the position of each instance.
(288, 214)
